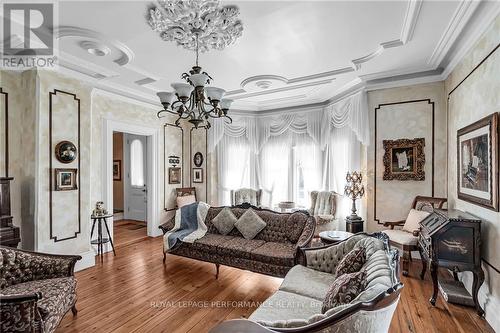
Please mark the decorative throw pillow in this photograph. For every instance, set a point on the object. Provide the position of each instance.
(250, 224)
(185, 200)
(413, 220)
(224, 221)
(344, 290)
(352, 262)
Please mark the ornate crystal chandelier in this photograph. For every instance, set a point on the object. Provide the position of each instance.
(196, 25)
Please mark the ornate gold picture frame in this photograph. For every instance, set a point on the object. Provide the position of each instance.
(404, 159)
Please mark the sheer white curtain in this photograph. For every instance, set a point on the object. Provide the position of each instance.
(233, 165)
(273, 169)
(343, 154)
(308, 162)
(290, 154)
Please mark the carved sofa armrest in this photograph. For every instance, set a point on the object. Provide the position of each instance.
(167, 226)
(38, 266)
(305, 240)
(20, 312)
(394, 224)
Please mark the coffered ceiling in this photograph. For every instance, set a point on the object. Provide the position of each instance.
(291, 52)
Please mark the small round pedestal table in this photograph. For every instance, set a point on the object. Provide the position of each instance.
(100, 241)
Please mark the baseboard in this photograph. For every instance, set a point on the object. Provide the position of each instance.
(490, 303)
(88, 260)
(118, 217)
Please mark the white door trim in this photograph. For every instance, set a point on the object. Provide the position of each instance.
(153, 135)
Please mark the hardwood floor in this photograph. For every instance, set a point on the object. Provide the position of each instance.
(135, 292)
(126, 232)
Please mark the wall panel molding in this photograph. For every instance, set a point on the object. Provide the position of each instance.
(377, 109)
(6, 129)
(165, 164)
(205, 164)
(51, 174)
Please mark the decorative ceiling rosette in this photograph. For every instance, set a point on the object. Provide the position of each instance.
(214, 25)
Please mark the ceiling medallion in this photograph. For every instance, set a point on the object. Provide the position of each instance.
(196, 23)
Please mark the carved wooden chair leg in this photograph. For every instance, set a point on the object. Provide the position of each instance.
(217, 271)
(424, 264)
(74, 310)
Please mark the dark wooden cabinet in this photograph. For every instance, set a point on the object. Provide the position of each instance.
(452, 239)
(9, 234)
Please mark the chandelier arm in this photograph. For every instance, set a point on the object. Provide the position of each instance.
(163, 116)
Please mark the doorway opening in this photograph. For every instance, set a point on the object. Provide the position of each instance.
(130, 187)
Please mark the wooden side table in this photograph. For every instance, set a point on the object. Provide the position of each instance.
(100, 241)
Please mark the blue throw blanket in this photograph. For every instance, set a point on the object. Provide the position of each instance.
(189, 225)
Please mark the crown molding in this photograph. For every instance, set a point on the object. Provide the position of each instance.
(410, 20)
(459, 20)
(487, 12)
(88, 68)
(282, 89)
(481, 19)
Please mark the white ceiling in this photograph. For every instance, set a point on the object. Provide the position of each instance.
(308, 51)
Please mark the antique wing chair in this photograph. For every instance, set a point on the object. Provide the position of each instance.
(324, 208)
(247, 195)
(407, 238)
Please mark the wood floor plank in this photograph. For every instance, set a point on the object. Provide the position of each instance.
(125, 294)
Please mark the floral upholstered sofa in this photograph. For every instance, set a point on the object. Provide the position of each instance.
(273, 251)
(297, 306)
(36, 290)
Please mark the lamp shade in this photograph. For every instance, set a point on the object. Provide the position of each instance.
(182, 89)
(166, 97)
(199, 80)
(215, 93)
(225, 103)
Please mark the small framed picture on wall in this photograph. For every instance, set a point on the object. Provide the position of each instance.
(117, 170)
(65, 179)
(477, 164)
(197, 175)
(174, 175)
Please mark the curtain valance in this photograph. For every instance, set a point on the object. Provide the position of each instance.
(351, 111)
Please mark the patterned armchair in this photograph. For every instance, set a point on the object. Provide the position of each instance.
(246, 195)
(324, 209)
(36, 290)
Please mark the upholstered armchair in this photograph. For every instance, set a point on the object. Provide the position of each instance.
(324, 209)
(407, 238)
(36, 290)
(246, 195)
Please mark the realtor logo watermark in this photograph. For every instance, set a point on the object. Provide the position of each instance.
(28, 36)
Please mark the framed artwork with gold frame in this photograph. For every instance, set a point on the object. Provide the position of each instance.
(404, 159)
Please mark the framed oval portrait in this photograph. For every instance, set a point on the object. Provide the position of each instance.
(66, 152)
(198, 159)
